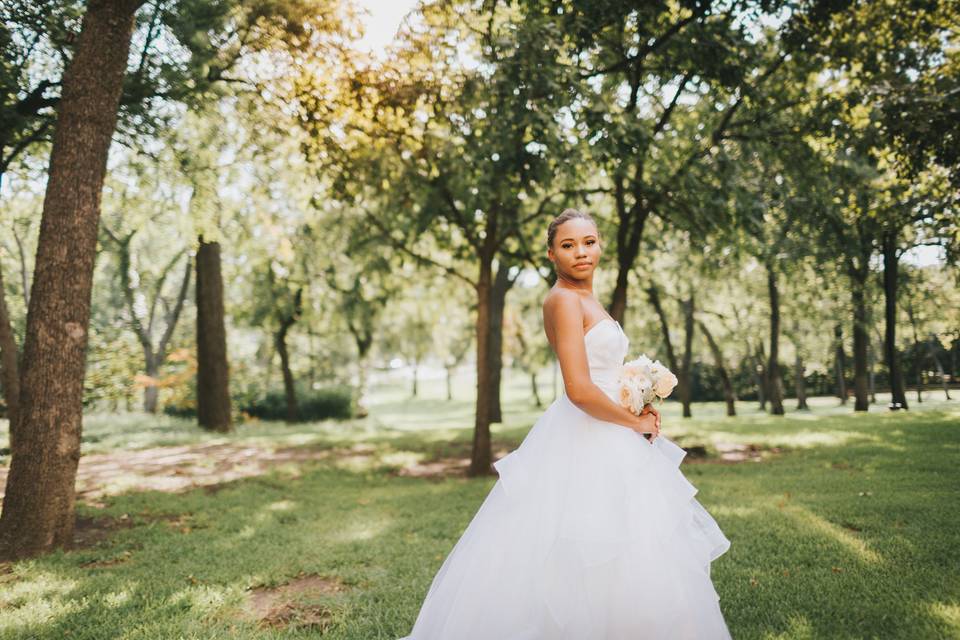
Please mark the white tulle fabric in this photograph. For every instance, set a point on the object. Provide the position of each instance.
(590, 533)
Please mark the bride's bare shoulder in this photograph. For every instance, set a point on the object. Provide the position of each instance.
(560, 303)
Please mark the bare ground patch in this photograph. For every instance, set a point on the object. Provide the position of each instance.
(294, 604)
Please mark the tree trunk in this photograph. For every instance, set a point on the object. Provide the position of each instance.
(681, 369)
(536, 391)
(685, 390)
(38, 509)
(213, 374)
(799, 382)
(871, 378)
(416, 368)
(939, 366)
(151, 392)
(481, 456)
(629, 237)
(759, 373)
(449, 384)
(654, 295)
(9, 364)
(728, 393)
(840, 364)
(891, 264)
(774, 377)
(860, 340)
(498, 297)
(280, 343)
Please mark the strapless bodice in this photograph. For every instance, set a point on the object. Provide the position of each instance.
(606, 345)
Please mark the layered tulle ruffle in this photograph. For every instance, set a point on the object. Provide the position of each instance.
(592, 532)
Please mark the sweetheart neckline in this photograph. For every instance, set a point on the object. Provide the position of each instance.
(598, 323)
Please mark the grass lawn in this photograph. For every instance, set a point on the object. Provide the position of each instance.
(846, 528)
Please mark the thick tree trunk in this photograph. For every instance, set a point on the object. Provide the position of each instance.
(38, 509)
(840, 364)
(774, 377)
(213, 385)
(891, 264)
(498, 298)
(860, 340)
(481, 456)
(9, 364)
(728, 394)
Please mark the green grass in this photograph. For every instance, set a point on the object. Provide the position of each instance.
(852, 531)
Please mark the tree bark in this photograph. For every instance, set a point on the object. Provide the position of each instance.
(728, 394)
(38, 509)
(213, 385)
(774, 376)
(9, 364)
(891, 265)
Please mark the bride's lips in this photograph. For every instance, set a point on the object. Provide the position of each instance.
(585, 264)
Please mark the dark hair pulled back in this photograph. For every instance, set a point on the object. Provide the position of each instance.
(566, 214)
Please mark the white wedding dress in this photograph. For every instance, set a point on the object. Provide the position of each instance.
(591, 532)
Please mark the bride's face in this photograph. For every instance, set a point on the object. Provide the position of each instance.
(577, 243)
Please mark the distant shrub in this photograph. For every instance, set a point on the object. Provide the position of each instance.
(334, 402)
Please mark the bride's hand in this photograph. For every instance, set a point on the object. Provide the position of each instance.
(648, 422)
(648, 408)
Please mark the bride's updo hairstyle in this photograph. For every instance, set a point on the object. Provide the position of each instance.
(567, 214)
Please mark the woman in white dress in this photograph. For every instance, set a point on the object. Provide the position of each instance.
(591, 531)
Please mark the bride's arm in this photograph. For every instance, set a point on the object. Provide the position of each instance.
(563, 313)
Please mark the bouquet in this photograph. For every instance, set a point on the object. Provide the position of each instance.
(643, 380)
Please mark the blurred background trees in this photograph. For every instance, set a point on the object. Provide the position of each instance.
(286, 219)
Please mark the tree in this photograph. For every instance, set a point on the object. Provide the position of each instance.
(38, 508)
(466, 161)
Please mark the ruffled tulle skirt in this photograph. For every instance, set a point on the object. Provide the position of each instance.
(590, 533)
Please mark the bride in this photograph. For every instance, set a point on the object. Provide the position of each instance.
(591, 531)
